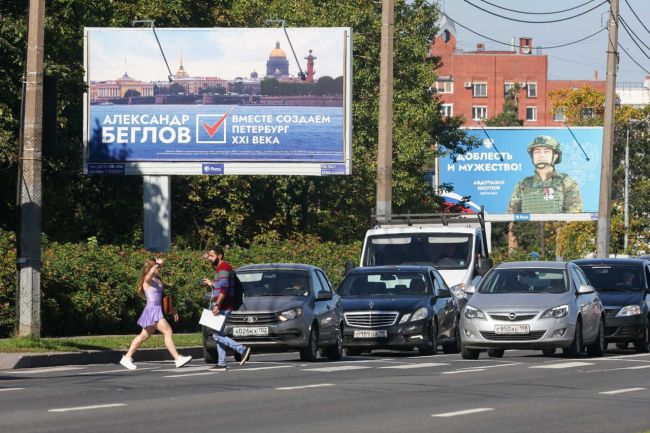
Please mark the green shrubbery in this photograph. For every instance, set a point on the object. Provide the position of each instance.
(91, 289)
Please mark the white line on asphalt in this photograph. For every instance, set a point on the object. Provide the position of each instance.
(564, 365)
(186, 369)
(331, 369)
(45, 370)
(97, 406)
(492, 366)
(231, 371)
(463, 371)
(636, 367)
(121, 370)
(463, 412)
(205, 373)
(621, 391)
(10, 389)
(423, 365)
(319, 385)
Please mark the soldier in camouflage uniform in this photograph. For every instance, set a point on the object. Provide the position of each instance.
(546, 191)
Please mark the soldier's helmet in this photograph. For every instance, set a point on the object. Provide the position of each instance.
(548, 142)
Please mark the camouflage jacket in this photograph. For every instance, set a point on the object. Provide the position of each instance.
(558, 194)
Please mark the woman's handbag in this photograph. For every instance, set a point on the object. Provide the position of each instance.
(167, 306)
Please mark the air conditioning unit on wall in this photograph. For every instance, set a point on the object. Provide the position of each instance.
(522, 85)
(468, 84)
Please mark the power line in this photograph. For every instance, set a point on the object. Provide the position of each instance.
(535, 22)
(538, 13)
(510, 45)
(633, 36)
(637, 17)
(632, 58)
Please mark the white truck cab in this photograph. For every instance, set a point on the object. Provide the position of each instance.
(457, 245)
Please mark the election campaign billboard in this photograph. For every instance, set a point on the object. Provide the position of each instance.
(233, 101)
(528, 174)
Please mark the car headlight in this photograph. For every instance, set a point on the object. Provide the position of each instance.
(473, 313)
(405, 318)
(458, 291)
(420, 314)
(293, 313)
(629, 310)
(556, 312)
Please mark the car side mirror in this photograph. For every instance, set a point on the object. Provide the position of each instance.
(585, 289)
(470, 289)
(323, 295)
(483, 265)
(444, 293)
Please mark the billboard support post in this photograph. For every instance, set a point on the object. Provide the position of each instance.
(157, 213)
(603, 232)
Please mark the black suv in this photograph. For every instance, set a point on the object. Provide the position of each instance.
(398, 307)
(286, 306)
(623, 287)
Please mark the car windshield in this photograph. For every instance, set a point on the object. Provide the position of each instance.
(614, 277)
(443, 251)
(524, 280)
(274, 283)
(384, 284)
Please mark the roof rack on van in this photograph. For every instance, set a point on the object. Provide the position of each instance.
(444, 218)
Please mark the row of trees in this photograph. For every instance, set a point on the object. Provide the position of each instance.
(324, 86)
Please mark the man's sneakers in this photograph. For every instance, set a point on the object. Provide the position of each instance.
(245, 356)
(128, 363)
(182, 360)
(218, 368)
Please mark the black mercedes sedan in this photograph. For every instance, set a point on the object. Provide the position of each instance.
(398, 308)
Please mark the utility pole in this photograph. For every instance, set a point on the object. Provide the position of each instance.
(385, 145)
(603, 232)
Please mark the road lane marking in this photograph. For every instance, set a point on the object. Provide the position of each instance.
(341, 368)
(290, 388)
(274, 367)
(463, 371)
(463, 412)
(10, 389)
(44, 370)
(205, 373)
(121, 370)
(97, 406)
(621, 391)
(492, 366)
(564, 365)
(423, 365)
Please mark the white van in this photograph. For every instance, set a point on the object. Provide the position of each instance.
(457, 245)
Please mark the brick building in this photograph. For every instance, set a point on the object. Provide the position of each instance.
(474, 83)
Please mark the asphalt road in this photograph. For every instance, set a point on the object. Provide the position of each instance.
(382, 392)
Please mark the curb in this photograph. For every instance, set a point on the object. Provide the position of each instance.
(10, 361)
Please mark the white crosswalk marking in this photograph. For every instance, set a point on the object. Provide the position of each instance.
(97, 406)
(45, 370)
(10, 389)
(409, 366)
(341, 368)
(563, 365)
(621, 391)
(463, 412)
(290, 388)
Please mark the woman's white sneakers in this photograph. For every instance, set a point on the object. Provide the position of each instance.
(182, 360)
(128, 363)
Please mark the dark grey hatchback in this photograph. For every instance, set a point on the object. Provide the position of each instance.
(398, 307)
(286, 306)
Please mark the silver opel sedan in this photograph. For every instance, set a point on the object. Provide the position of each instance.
(533, 305)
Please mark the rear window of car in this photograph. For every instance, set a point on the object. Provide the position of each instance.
(525, 280)
(384, 284)
(614, 277)
(274, 283)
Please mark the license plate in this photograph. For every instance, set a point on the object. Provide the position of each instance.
(258, 331)
(511, 329)
(375, 333)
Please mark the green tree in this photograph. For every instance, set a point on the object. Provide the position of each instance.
(510, 114)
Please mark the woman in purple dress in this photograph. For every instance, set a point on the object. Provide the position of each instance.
(150, 285)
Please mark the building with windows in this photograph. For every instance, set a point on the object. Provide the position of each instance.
(634, 94)
(475, 83)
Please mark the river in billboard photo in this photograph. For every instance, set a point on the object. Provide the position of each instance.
(528, 171)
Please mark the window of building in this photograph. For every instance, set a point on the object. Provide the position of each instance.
(447, 110)
(479, 112)
(531, 90)
(507, 87)
(479, 90)
(558, 116)
(531, 114)
(587, 113)
(444, 86)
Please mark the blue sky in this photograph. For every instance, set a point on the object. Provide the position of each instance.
(225, 53)
(573, 62)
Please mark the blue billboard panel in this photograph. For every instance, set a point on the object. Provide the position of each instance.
(237, 100)
(528, 174)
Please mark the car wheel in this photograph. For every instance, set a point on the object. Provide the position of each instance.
(469, 353)
(432, 347)
(576, 345)
(353, 351)
(548, 352)
(455, 346)
(643, 345)
(496, 353)
(597, 348)
(335, 353)
(209, 356)
(310, 353)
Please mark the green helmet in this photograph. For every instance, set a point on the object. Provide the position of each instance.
(546, 141)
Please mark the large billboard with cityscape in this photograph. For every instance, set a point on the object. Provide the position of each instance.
(528, 174)
(233, 101)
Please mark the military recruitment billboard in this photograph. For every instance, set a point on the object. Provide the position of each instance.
(528, 174)
(233, 101)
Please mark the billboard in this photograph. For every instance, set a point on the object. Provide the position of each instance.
(241, 101)
(528, 174)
